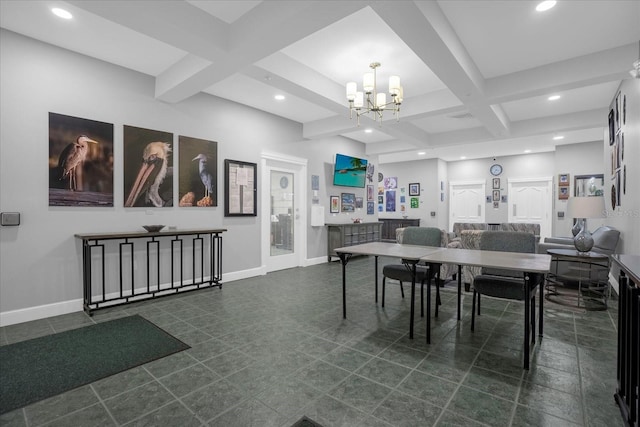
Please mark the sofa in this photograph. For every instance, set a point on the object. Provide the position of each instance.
(605, 241)
(459, 227)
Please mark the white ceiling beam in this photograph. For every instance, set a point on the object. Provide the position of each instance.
(426, 30)
(600, 67)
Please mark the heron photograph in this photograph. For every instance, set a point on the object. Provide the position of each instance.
(148, 168)
(198, 173)
(80, 161)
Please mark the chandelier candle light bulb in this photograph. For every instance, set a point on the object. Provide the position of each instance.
(376, 102)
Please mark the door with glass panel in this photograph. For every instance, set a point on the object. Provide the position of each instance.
(284, 212)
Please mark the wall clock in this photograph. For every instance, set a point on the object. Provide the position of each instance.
(495, 169)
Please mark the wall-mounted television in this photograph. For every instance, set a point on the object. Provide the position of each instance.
(349, 171)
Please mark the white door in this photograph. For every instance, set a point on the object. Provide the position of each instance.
(466, 202)
(531, 200)
(283, 212)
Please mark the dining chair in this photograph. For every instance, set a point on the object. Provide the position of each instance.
(508, 284)
(423, 236)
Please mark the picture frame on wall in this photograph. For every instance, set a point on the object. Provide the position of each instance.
(347, 202)
(563, 180)
(414, 189)
(496, 195)
(334, 204)
(240, 188)
(563, 193)
(370, 193)
(496, 183)
(359, 202)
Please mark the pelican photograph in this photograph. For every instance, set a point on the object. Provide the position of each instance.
(198, 176)
(148, 168)
(80, 162)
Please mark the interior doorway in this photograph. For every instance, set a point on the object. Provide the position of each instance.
(283, 211)
(466, 202)
(531, 201)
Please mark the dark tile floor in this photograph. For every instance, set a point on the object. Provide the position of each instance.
(268, 350)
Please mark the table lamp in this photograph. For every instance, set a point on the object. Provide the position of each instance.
(582, 208)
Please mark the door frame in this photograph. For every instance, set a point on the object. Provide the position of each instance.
(298, 166)
(479, 182)
(548, 180)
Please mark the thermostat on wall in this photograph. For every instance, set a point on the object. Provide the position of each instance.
(560, 214)
(10, 218)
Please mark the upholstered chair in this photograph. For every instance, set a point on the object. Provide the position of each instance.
(508, 284)
(424, 236)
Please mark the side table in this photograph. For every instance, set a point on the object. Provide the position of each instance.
(593, 292)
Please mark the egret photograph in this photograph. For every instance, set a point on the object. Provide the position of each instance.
(148, 168)
(198, 173)
(80, 162)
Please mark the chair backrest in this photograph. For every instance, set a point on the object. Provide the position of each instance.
(525, 227)
(458, 227)
(424, 236)
(506, 241)
(605, 240)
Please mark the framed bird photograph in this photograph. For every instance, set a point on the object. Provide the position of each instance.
(148, 168)
(197, 172)
(240, 188)
(80, 162)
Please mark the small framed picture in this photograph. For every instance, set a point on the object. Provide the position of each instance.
(347, 202)
(359, 202)
(496, 195)
(563, 180)
(563, 193)
(334, 204)
(370, 193)
(414, 189)
(496, 183)
(496, 205)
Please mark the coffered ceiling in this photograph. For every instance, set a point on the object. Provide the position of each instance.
(476, 74)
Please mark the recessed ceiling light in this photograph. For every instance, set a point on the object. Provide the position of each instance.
(527, 151)
(421, 153)
(463, 157)
(558, 137)
(368, 130)
(545, 5)
(61, 13)
(553, 97)
(279, 97)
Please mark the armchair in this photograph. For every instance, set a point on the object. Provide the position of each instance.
(508, 284)
(605, 241)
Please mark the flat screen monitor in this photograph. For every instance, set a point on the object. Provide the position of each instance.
(349, 171)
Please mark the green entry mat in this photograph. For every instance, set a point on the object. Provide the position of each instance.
(44, 367)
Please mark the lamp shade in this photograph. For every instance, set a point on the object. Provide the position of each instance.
(586, 207)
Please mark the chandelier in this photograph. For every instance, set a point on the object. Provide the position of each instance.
(376, 102)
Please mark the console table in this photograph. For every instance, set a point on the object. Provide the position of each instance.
(111, 260)
(628, 372)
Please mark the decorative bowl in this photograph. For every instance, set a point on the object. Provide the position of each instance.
(153, 228)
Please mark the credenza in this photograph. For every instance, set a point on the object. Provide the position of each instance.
(390, 225)
(341, 235)
(628, 363)
(124, 267)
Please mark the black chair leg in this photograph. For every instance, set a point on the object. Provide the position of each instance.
(533, 318)
(478, 302)
(401, 290)
(473, 310)
(422, 298)
(384, 279)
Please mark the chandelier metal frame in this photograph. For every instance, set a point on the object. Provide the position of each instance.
(375, 101)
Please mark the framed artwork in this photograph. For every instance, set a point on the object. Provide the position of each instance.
(563, 179)
(403, 199)
(414, 189)
(240, 188)
(503, 199)
(197, 172)
(359, 202)
(380, 199)
(390, 183)
(563, 193)
(391, 201)
(315, 182)
(496, 183)
(370, 207)
(148, 168)
(347, 202)
(334, 204)
(496, 205)
(370, 193)
(496, 195)
(415, 203)
(80, 162)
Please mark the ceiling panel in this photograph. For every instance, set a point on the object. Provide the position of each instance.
(227, 10)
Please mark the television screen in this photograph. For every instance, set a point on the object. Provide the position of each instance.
(349, 171)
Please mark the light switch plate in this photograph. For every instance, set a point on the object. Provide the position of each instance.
(10, 218)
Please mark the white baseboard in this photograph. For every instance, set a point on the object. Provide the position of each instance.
(65, 307)
(40, 312)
